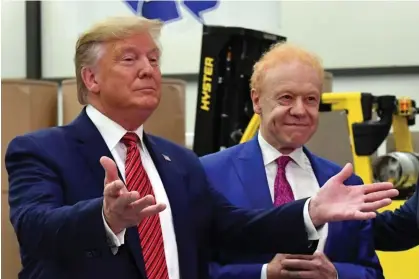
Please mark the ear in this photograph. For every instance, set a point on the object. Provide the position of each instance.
(255, 96)
(89, 78)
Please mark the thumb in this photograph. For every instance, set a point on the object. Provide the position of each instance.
(111, 172)
(344, 174)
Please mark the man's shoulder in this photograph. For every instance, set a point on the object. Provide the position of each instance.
(334, 168)
(221, 156)
(174, 148)
(43, 137)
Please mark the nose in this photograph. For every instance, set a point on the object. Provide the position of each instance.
(145, 69)
(298, 109)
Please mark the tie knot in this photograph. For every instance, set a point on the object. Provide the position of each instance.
(130, 138)
(283, 161)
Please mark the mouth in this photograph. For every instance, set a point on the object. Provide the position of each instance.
(296, 125)
(146, 88)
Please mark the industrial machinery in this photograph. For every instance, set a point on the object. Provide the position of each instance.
(224, 107)
(366, 135)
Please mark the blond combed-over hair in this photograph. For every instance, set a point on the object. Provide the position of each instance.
(282, 53)
(89, 46)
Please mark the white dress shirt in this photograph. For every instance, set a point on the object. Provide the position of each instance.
(302, 180)
(112, 133)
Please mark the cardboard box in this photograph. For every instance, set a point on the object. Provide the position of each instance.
(331, 141)
(26, 105)
(391, 145)
(167, 121)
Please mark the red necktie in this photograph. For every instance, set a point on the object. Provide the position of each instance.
(282, 188)
(149, 229)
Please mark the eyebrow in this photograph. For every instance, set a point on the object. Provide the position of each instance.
(120, 50)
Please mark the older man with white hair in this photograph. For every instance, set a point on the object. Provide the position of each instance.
(100, 198)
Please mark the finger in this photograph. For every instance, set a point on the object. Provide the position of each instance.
(381, 195)
(379, 186)
(299, 256)
(318, 254)
(294, 274)
(153, 210)
(364, 215)
(142, 203)
(297, 264)
(114, 189)
(374, 206)
(111, 172)
(125, 199)
(344, 174)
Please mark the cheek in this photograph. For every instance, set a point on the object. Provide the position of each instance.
(277, 116)
(314, 115)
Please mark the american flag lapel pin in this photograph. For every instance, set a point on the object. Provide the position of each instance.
(167, 158)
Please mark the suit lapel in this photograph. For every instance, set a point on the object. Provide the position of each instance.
(92, 147)
(173, 179)
(251, 171)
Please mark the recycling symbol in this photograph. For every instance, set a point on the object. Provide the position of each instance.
(168, 10)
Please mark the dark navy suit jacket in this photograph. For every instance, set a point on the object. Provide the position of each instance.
(55, 197)
(398, 230)
(239, 173)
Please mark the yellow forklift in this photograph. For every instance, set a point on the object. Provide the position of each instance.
(366, 135)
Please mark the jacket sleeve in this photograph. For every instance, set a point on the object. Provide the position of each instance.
(45, 226)
(398, 230)
(235, 271)
(366, 264)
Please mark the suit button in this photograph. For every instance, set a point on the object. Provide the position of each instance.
(92, 254)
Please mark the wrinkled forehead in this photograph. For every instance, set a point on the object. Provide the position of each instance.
(140, 43)
(291, 75)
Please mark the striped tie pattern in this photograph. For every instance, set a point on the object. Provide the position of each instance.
(282, 188)
(149, 229)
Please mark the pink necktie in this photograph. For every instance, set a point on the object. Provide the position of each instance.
(282, 189)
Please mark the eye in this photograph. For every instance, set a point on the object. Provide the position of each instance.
(286, 97)
(153, 60)
(312, 99)
(128, 58)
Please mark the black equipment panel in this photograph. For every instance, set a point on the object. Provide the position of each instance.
(224, 107)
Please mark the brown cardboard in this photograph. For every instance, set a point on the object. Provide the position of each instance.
(391, 147)
(71, 105)
(26, 105)
(327, 82)
(331, 141)
(167, 121)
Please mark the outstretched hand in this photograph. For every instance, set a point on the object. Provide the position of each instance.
(337, 202)
(122, 208)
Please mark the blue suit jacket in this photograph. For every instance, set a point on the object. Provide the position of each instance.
(398, 230)
(239, 173)
(55, 197)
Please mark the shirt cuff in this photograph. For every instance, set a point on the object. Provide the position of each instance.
(114, 240)
(312, 232)
(263, 274)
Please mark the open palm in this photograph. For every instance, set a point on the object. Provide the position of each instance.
(336, 201)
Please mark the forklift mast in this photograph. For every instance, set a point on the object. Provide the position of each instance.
(224, 107)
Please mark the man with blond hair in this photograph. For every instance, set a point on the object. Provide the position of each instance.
(274, 168)
(100, 198)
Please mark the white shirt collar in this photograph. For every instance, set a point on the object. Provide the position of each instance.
(111, 131)
(270, 153)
